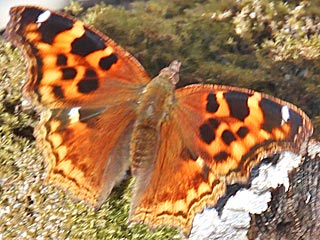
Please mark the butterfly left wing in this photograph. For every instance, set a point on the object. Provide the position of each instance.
(72, 64)
(87, 88)
(213, 137)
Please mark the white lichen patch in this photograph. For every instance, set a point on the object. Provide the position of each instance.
(235, 217)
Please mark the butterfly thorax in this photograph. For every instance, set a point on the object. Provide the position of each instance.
(155, 104)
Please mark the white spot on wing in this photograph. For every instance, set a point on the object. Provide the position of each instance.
(43, 17)
(285, 114)
(200, 162)
(74, 114)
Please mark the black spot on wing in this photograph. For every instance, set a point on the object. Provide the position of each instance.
(58, 92)
(91, 75)
(89, 83)
(106, 62)
(221, 156)
(214, 123)
(87, 43)
(242, 132)
(61, 60)
(206, 133)
(271, 114)
(68, 73)
(228, 137)
(87, 86)
(207, 130)
(238, 104)
(212, 104)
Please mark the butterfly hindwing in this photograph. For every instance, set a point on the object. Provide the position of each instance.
(87, 151)
(179, 186)
(71, 63)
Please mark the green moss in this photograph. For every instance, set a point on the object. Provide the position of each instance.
(269, 46)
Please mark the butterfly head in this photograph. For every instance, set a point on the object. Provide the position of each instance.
(171, 72)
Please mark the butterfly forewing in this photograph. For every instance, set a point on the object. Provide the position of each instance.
(71, 63)
(233, 125)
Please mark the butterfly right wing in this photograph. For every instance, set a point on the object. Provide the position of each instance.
(212, 137)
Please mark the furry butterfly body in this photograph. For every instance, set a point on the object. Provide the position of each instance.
(101, 115)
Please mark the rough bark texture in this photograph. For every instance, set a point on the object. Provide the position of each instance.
(294, 214)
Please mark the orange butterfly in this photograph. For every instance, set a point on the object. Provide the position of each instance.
(101, 115)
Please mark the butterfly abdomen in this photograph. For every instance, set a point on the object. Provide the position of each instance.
(154, 106)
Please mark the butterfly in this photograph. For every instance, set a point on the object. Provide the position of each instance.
(101, 114)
